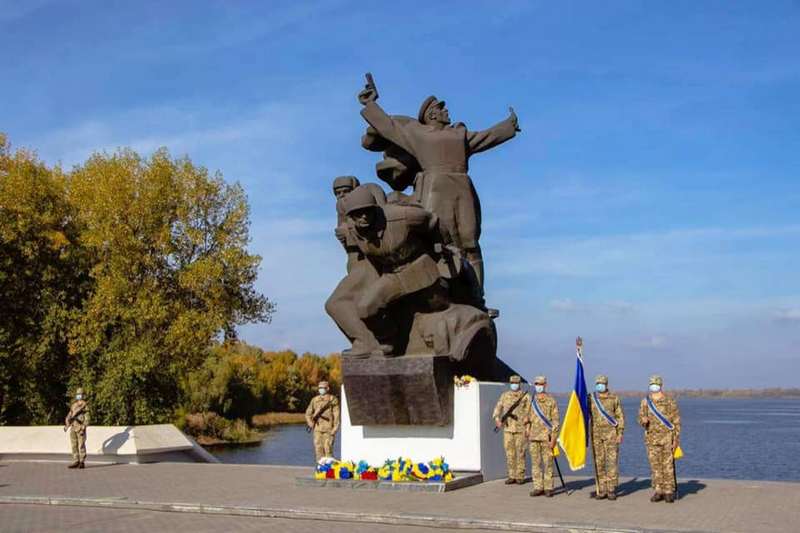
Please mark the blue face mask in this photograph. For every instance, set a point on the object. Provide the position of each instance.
(539, 388)
(655, 387)
(515, 386)
(323, 392)
(600, 387)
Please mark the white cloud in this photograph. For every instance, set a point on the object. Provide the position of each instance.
(787, 315)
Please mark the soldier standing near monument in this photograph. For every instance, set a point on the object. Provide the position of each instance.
(76, 422)
(322, 418)
(661, 420)
(512, 415)
(443, 151)
(542, 434)
(608, 425)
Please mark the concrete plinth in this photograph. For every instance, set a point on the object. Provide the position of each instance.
(111, 444)
(468, 443)
(460, 481)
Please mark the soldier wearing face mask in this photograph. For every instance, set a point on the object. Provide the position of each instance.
(608, 425)
(542, 434)
(511, 414)
(322, 418)
(661, 420)
(76, 422)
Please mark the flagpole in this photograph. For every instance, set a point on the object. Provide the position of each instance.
(590, 431)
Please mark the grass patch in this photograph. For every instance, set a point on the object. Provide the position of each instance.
(273, 419)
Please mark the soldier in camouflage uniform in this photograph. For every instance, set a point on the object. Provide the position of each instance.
(661, 420)
(542, 435)
(76, 422)
(514, 405)
(608, 426)
(322, 417)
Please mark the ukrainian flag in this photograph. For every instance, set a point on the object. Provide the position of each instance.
(574, 435)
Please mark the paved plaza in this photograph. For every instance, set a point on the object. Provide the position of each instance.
(206, 497)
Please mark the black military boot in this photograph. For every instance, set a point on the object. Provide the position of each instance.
(669, 498)
(536, 492)
(657, 497)
(600, 496)
(74, 464)
(80, 465)
(612, 495)
(510, 481)
(548, 493)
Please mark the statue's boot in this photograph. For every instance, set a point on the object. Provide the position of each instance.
(361, 350)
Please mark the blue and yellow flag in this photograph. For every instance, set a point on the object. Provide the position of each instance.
(574, 435)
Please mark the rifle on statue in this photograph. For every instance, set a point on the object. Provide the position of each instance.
(317, 416)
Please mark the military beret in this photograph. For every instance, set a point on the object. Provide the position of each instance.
(656, 379)
(346, 181)
(540, 379)
(515, 379)
(601, 379)
(427, 104)
(323, 384)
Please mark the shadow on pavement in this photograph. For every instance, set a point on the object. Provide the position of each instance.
(115, 442)
(633, 485)
(692, 486)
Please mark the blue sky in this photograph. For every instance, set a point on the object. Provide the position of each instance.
(649, 204)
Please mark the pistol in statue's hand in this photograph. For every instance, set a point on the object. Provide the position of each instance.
(370, 92)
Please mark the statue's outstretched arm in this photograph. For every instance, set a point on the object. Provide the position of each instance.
(386, 127)
(501, 132)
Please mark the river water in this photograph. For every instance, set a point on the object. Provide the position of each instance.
(721, 438)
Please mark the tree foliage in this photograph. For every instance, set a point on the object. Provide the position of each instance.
(119, 276)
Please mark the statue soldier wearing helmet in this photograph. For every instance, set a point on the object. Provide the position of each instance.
(76, 422)
(342, 186)
(442, 151)
(398, 243)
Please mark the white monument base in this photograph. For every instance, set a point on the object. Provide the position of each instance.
(109, 444)
(469, 444)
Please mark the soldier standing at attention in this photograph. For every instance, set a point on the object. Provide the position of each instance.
(76, 422)
(511, 414)
(542, 433)
(322, 417)
(608, 424)
(661, 420)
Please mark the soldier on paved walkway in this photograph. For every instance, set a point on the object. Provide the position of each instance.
(608, 425)
(76, 422)
(542, 434)
(661, 420)
(322, 417)
(511, 414)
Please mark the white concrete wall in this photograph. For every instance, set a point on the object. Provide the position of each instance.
(103, 443)
(468, 444)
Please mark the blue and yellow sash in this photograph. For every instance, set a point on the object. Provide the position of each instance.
(610, 419)
(658, 414)
(540, 414)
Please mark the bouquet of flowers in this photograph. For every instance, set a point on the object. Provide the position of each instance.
(463, 381)
(400, 469)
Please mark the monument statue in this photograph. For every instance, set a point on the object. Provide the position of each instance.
(412, 300)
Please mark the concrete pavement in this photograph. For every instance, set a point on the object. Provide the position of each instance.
(243, 492)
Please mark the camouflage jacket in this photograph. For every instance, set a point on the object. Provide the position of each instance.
(79, 420)
(515, 423)
(655, 433)
(601, 428)
(549, 408)
(328, 421)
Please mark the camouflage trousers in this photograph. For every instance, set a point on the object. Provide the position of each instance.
(662, 468)
(541, 465)
(514, 445)
(323, 444)
(606, 459)
(77, 438)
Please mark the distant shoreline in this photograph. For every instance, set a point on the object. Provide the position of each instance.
(775, 393)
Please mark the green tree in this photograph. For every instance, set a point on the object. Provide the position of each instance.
(43, 283)
(171, 274)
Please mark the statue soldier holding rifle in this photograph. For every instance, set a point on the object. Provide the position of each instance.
(76, 422)
(322, 418)
(661, 420)
(442, 151)
(511, 415)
